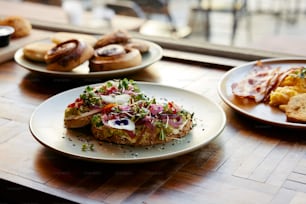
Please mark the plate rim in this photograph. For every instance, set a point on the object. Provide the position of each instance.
(226, 100)
(154, 46)
(220, 129)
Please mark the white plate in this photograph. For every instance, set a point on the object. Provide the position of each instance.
(261, 112)
(154, 54)
(46, 125)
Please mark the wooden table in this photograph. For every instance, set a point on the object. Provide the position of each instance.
(249, 162)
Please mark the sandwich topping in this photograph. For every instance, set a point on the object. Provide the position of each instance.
(120, 113)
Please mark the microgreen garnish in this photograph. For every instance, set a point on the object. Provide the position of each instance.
(124, 83)
(96, 119)
(162, 135)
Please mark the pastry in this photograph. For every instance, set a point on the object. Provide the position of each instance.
(117, 37)
(21, 25)
(68, 55)
(36, 51)
(139, 45)
(114, 56)
(60, 37)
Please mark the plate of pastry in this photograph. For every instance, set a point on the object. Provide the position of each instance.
(78, 55)
(272, 91)
(126, 121)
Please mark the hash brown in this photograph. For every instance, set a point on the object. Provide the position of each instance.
(296, 109)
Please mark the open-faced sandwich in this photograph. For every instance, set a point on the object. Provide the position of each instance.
(119, 112)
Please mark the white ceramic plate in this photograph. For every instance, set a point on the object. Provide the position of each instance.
(154, 54)
(261, 112)
(46, 125)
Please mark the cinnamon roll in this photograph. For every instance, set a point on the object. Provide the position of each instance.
(68, 55)
(117, 37)
(139, 45)
(114, 56)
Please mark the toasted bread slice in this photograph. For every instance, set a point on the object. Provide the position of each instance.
(296, 109)
(141, 135)
(77, 121)
(96, 99)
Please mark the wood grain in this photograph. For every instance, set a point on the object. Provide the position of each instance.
(249, 162)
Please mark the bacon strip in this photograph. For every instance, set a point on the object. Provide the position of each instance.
(258, 83)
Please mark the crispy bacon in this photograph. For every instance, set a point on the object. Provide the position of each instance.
(258, 84)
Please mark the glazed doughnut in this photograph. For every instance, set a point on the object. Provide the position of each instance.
(68, 55)
(117, 37)
(114, 56)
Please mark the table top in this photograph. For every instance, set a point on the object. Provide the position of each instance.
(249, 162)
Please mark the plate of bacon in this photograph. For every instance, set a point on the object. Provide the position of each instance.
(272, 91)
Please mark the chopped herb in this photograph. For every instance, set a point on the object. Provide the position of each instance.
(139, 97)
(84, 147)
(91, 147)
(87, 147)
(303, 73)
(109, 84)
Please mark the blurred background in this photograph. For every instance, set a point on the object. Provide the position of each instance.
(273, 25)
